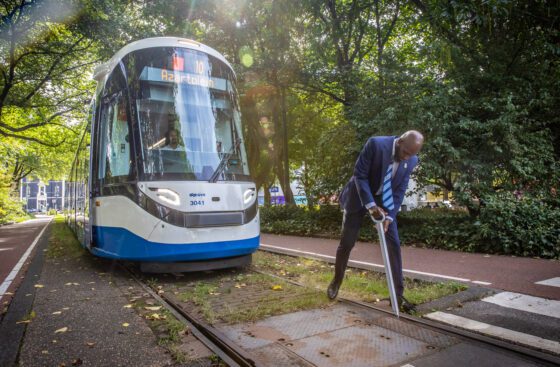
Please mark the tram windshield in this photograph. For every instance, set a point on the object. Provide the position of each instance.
(190, 126)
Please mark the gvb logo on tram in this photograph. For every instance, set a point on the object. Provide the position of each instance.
(161, 174)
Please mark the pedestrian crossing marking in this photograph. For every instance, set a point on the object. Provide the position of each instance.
(496, 331)
(553, 282)
(523, 302)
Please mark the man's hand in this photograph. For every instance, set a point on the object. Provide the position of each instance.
(377, 212)
(386, 223)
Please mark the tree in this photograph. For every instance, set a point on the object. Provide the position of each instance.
(492, 120)
(43, 69)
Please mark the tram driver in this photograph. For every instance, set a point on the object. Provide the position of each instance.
(172, 141)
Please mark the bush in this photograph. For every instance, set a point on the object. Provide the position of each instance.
(526, 227)
(438, 228)
(52, 212)
(294, 220)
(11, 208)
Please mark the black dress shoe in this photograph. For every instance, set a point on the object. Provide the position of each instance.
(406, 306)
(332, 290)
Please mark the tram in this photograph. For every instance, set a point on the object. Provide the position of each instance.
(161, 175)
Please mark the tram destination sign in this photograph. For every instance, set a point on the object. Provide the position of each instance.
(180, 77)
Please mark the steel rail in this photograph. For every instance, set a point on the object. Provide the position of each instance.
(215, 340)
(464, 334)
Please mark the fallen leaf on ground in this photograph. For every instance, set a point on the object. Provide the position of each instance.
(61, 330)
(23, 322)
(57, 313)
(125, 324)
(44, 352)
(127, 306)
(277, 287)
(39, 286)
(90, 344)
(153, 308)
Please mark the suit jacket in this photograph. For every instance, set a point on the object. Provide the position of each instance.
(369, 172)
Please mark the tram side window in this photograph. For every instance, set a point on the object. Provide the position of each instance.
(115, 140)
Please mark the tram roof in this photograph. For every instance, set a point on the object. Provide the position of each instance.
(102, 70)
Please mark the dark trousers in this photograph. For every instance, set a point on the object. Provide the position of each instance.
(350, 229)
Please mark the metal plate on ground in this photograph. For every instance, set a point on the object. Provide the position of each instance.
(359, 346)
(296, 325)
(428, 336)
(278, 356)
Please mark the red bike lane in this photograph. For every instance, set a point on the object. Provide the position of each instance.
(16, 241)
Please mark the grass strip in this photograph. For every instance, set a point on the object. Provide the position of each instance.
(361, 285)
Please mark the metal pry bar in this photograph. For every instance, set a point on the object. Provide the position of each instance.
(385, 254)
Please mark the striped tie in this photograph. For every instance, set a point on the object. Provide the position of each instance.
(387, 192)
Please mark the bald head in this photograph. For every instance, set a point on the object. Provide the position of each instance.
(408, 144)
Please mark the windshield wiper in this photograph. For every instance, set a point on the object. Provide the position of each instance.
(224, 162)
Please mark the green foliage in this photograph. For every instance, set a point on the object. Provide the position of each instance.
(11, 209)
(528, 226)
(438, 228)
(294, 220)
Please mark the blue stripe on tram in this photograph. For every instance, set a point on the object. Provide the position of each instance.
(120, 243)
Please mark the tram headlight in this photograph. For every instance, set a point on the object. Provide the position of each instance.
(248, 195)
(169, 196)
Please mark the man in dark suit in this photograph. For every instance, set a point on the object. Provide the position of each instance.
(380, 179)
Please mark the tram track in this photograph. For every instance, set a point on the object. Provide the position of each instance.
(211, 337)
(234, 355)
(533, 354)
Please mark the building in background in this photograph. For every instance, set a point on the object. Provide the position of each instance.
(410, 201)
(41, 197)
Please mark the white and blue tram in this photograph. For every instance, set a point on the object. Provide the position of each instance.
(161, 174)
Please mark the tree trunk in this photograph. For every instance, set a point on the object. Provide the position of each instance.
(288, 194)
(266, 195)
(279, 148)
